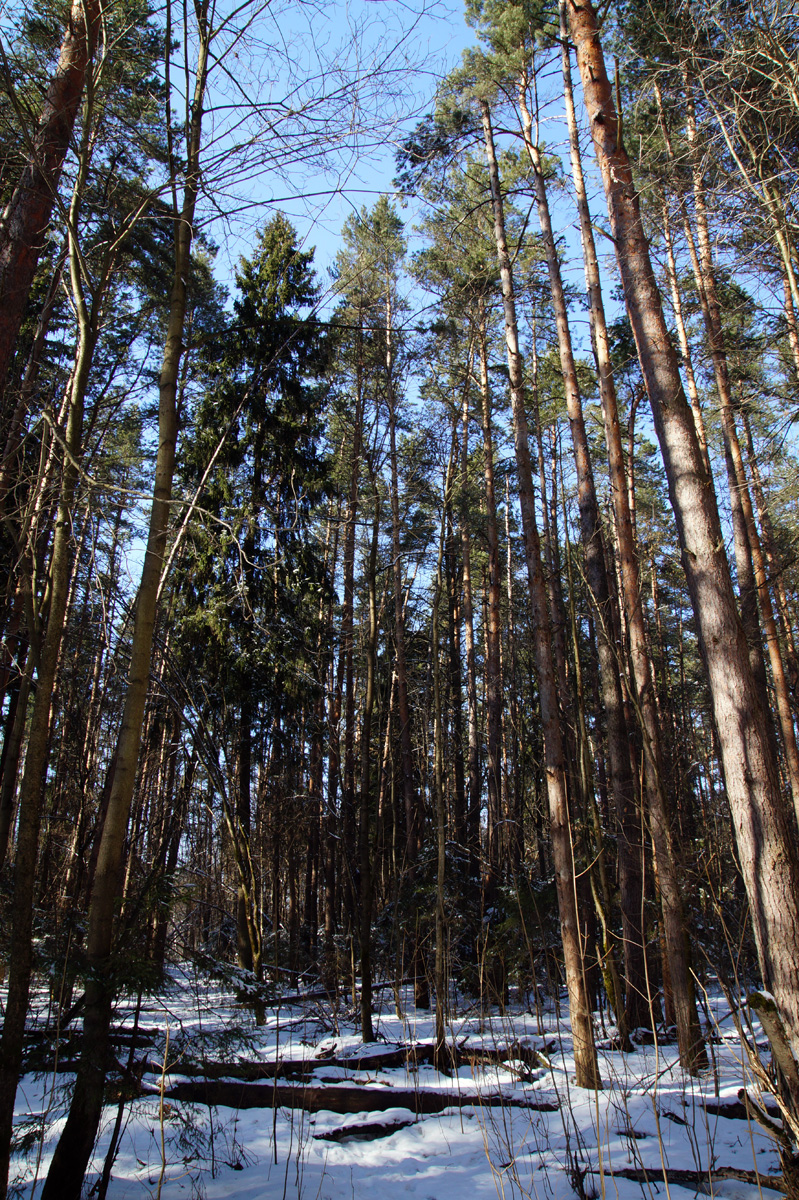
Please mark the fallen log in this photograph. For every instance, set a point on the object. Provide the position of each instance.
(701, 1181)
(48, 1038)
(341, 1099)
(736, 1110)
(48, 1054)
(301, 1069)
(483, 1055)
(298, 1070)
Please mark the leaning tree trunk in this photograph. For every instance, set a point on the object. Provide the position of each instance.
(74, 1148)
(752, 581)
(27, 214)
(744, 530)
(775, 568)
(760, 815)
(31, 795)
(682, 337)
(585, 1060)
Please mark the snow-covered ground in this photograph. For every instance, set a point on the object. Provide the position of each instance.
(649, 1118)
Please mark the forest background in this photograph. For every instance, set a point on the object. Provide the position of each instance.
(379, 626)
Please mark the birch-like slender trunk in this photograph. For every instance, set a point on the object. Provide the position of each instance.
(346, 830)
(74, 1148)
(514, 814)
(46, 652)
(472, 831)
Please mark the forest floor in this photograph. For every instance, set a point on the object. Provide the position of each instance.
(300, 1107)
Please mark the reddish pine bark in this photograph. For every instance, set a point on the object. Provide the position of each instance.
(760, 815)
(585, 1060)
(27, 215)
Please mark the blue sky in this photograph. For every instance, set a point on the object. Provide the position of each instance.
(295, 55)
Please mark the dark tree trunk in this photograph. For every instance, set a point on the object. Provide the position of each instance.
(72, 1154)
(493, 681)
(364, 830)
(27, 215)
(472, 833)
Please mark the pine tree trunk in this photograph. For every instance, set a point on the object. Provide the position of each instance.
(441, 1056)
(682, 337)
(791, 323)
(473, 788)
(364, 831)
(27, 389)
(752, 584)
(740, 502)
(622, 783)
(455, 681)
(412, 816)
(242, 822)
(329, 832)
(513, 800)
(586, 1066)
(760, 817)
(493, 683)
(631, 872)
(775, 568)
(12, 752)
(557, 607)
(27, 214)
(346, 829)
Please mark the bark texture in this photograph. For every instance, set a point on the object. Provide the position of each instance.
(692, 1054)
(27, 214)
(586, 1066)
(74, 1148)
(760, 816)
